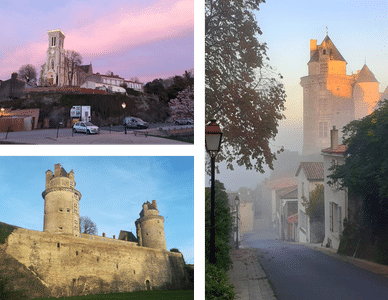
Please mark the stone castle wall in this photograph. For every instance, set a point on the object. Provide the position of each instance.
(87, 264)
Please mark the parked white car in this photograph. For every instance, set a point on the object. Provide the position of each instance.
(85, 127)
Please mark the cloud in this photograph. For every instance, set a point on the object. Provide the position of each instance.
(96, 32)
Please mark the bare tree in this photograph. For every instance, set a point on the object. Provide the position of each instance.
(27, 72)
(87, 225)
(72, 61)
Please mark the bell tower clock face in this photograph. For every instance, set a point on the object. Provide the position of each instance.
(52, 51)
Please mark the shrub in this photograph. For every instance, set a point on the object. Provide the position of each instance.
(216, 284)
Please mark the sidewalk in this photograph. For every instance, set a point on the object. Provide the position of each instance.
(248, 277)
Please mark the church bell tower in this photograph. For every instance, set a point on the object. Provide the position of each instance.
(55, 53)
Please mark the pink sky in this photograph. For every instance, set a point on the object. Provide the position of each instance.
(144, 39)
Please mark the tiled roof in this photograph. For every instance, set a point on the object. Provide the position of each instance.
(366, 75)
(284, 191)
(340, 149)
(281, 183)
(312, 170)
(292, 194)
(292, 218)
(334, 54)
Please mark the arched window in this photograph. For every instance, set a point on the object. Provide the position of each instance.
(52, 64)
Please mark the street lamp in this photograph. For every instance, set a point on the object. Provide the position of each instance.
(2, 111)
(124, 105)
(213, 136)
(237, 203)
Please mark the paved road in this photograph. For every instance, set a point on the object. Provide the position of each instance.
(65, 136)
(165, 126)
(297, 272)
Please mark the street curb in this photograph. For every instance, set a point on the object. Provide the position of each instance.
(248, 276)
(364, 264)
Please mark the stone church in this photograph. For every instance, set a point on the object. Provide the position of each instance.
(55, 71)
(331, 97)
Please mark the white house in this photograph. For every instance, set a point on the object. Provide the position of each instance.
(309, 175)
(336, 200)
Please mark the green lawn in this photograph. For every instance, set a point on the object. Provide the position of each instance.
(142, 295)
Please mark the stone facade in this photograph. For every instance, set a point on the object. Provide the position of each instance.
(54, 71)
(71, 263)
(61, 202)
(149, 226)
(331, 97)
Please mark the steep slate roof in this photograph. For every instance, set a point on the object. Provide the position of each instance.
(312, 170)
(85, 68)
(366, 75)
(334, 54)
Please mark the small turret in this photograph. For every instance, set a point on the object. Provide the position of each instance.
(149, 227)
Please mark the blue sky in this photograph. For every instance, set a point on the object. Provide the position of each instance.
(359, 30)
(113, 190)
(145, 39)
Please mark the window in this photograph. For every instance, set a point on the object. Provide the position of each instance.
(335, 217)
(323, 129)
(324, 52)
(58, 245)
(52, 64)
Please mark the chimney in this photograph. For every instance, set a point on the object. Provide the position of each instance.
(333, 138)
(313, 47)
(14, 75)
(103, 234)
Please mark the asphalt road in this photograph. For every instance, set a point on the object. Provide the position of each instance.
(297, 272)
(120, 128)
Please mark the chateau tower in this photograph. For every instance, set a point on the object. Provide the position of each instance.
(365, 93)
(332, 98)
(53, 70)
(61, 202)
(149, 227)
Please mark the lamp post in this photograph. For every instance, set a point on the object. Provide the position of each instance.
(124, 105)
(213, 136)
(237, 203)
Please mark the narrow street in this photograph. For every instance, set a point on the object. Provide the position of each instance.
(298, 272)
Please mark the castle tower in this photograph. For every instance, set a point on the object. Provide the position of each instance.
(365, 93)
(149, 227)
(61, 202)
(53, 70)
(327, 95)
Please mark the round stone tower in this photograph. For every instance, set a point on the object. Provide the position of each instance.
(149, 227)
(61, 202)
